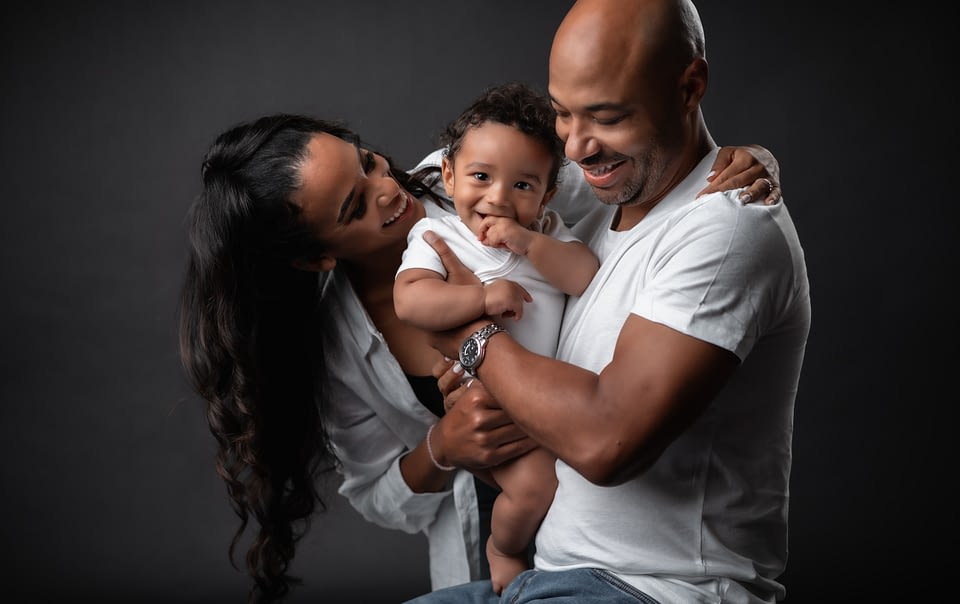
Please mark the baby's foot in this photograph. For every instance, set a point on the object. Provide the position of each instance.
(504, 568)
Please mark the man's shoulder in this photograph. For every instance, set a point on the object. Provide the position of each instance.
(724, 210)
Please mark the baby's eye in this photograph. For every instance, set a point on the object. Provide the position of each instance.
(523, 186)
(481, 176)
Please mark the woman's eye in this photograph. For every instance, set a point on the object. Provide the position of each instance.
(358, 211)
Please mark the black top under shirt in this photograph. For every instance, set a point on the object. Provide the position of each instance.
(425, 387)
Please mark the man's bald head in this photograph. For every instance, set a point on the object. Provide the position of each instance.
(626, 79)
(633, 33)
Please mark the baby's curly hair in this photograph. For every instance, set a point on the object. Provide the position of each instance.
(512, 104)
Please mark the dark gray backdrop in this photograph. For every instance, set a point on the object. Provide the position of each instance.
(108, 487)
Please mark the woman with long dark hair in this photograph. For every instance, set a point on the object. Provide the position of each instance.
(288, 331)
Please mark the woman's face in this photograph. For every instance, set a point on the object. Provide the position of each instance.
(355, 207)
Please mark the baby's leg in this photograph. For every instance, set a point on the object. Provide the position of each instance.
(527, 485)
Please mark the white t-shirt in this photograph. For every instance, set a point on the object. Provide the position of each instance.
(710, 516)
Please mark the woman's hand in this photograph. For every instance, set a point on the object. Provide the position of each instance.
(448, 341)
(457, 272)
(751, 165)
(475, 433)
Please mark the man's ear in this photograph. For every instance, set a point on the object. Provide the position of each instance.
(321, 264)
(446, 168)
(695, 78)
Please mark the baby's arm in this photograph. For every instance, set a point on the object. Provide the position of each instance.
(423, 298)
(567, 265)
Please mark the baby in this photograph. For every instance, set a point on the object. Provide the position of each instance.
(500, 169)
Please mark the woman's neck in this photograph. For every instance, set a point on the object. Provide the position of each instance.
(372, 281)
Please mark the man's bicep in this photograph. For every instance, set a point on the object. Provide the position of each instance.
(660, 380)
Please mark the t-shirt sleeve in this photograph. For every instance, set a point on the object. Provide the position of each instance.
(419, 254)
(719, 277)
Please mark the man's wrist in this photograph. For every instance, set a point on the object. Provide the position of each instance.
(473, 348)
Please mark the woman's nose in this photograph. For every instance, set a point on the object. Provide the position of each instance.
(388, 192)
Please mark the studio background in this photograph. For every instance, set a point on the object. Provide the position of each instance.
(108, 486)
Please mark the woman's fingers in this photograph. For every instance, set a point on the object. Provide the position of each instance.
(456, 271)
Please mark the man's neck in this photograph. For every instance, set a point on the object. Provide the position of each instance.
(681, 167)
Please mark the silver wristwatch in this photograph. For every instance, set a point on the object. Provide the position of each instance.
(472, 349)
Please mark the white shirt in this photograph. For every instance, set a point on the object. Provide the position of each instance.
(375, 419)
(710, 516)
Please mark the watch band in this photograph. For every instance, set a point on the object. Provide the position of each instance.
(474, 347)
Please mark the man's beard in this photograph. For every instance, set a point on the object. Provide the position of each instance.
(645, 169)
(623, 196)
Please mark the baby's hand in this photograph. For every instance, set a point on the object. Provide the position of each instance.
(500, 231)
(504, 298)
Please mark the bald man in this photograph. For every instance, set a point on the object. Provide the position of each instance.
(670, 403)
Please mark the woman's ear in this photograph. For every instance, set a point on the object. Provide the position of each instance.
(446, 167)
(321, 264)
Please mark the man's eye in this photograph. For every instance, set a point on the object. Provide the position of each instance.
(609, 121)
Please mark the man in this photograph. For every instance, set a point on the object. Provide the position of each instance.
(670, 406)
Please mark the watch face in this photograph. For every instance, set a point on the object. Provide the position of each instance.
(468, 352)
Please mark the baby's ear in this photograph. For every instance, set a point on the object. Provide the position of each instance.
(446, 168)
(548, 196)
(321, 264)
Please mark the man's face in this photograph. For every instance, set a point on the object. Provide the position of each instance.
(611, 115)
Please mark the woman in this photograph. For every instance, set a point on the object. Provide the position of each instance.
(288, 330)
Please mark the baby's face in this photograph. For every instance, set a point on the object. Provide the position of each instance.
(498, 171)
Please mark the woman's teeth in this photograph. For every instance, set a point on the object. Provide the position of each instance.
(400, 210)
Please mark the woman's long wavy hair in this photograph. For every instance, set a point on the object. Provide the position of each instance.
(250, 328)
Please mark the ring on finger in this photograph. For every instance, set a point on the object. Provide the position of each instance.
(769, 182)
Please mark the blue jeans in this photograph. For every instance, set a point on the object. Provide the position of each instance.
(580, 586)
